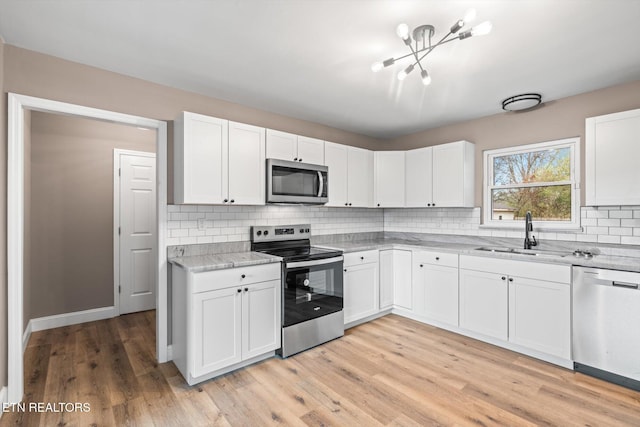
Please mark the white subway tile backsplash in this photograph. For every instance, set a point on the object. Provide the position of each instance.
(610, 224)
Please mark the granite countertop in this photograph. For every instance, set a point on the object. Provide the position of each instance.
(197, 263)
(609, 261)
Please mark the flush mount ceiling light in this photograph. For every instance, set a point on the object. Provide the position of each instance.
(423, 34)
(522, 102)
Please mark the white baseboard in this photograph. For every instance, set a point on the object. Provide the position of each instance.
(66, 319)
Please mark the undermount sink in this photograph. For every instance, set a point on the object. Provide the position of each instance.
(532, 252)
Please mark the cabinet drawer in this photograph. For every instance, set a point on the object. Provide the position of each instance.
(436, 258)
(357, 258)
(227, 278)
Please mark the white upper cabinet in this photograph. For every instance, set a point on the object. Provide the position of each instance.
(359, 177)
(419, 177)
(350, 175)
(335, 158)
(287, 146)
(440, 176)
(453, 174)
(246, 164)
(217, 161)
(310, 150)
(612, 152)
(200, 159)
(389, 179)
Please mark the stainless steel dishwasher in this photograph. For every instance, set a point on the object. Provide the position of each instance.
(606, 325)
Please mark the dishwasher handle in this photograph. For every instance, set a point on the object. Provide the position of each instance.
(625, 284)
(591, 277)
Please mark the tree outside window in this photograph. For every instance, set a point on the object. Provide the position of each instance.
(539, 178)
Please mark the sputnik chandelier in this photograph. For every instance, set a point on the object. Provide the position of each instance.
(423, 34)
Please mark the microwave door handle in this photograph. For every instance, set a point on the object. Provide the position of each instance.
(320, 184)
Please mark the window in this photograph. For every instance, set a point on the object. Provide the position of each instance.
(541, 178)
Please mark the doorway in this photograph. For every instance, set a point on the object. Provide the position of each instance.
(17, 106)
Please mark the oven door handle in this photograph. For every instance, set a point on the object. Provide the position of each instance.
(299, 264)
(320, 184)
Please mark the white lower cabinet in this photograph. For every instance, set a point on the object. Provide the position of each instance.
(361, 286)
(223, 319)
(524, 303)
(435, 286)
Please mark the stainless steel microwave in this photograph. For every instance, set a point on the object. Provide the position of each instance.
(294, 182)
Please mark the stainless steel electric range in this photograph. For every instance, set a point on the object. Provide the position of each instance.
(312, 288)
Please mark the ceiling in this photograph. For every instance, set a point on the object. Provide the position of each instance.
(311, 59)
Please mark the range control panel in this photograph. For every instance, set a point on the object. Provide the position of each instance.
(274, 233)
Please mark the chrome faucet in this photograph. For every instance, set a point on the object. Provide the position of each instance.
(528, 227)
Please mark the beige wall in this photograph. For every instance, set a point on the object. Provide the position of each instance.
(558, 119)
(3, 223)
(71, 222)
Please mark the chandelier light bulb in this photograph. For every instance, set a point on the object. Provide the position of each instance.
(377, 66)
(470, 16)
(404, 73)
(482, 29)
(403, 31)
(426, 78)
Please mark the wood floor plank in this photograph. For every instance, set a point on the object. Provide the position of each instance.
(389, 372)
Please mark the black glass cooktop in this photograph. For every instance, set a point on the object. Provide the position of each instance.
(300, 250)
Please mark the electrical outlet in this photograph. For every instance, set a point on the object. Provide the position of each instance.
(201, 224)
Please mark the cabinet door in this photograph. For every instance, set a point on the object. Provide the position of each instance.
(540, 315)
(282, 145)
(419, 177)
(484, 303)
(216, 330)
(453, 169)
(335, 158)
(360, 177)
(201, 144)
(246, 164)
(436, 292)
(389, 178)
(310, 150)
(612, 153)
(260, 318)
(360, 292)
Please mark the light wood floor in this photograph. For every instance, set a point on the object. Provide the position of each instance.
(392, 371)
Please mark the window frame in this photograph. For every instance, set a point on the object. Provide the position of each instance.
(574, 146)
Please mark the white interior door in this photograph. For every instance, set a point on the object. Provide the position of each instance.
(136, 219)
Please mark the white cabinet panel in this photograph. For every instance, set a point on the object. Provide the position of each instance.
(335, 158)
(310, 150)
(540, 315)
(246, 164)
(453, 172)
(419, 177)
(395, 279)
(359, 177)
(361, 291)
(389, 178)
(288, 146)
(200, 159)
(215, 347)
(260, 318)
(484, 303)
(282, 145)
(435, 289)
(612, 153)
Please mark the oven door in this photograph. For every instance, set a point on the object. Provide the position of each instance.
(292, 182)
(312, 289)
